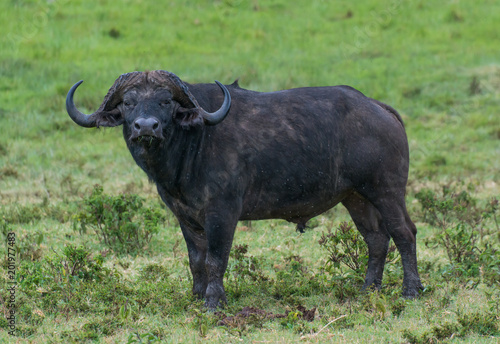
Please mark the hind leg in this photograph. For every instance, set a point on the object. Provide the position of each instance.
(397, 222)
(368, 221)
(411, 284)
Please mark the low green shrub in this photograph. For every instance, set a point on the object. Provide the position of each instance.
(122, 223)
(295, 281)
(73, 264)
(465, 230)
(243, 271)
(347, 259)
(345, 247)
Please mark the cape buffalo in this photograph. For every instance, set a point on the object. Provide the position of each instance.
(220, 157)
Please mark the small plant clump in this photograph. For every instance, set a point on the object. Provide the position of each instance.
(122, 223)
(345, 247)
(471, 245)
(243, 271)
(347, 259)
(62, 269)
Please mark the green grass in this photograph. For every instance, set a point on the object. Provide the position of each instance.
(436, 62)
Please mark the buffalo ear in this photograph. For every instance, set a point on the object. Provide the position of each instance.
(188, 118)
(111, 118)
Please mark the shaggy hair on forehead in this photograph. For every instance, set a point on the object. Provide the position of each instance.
(159, 78)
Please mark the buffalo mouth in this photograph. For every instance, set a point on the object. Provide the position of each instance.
(146, 139)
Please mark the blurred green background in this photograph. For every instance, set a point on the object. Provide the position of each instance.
(436, 62)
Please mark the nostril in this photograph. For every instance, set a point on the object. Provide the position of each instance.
(148, 126)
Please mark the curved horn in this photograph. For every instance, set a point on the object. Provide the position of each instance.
(87, 121)
(213, 118)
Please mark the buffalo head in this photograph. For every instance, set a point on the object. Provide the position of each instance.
(147, 103)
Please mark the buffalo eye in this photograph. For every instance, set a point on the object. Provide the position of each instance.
(128, 104)
(164, 102)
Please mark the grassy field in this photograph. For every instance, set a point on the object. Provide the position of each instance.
(436, 62)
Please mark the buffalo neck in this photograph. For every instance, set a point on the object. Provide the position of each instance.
(171, 163)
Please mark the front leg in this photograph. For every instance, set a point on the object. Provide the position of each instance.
(219, 229)
(196, 243)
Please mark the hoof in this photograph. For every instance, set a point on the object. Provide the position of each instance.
(412, 292)
(214, 306)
